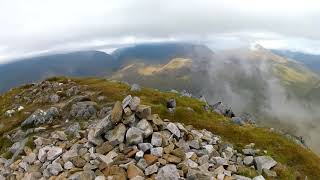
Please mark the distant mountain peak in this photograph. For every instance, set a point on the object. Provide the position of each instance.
(256, 47)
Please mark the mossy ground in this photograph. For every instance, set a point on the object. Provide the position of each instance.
(294, 160)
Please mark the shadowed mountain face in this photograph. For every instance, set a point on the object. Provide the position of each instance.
(310, 60)
(159, 53)
(86, 63)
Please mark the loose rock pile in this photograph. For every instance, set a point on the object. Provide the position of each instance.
(129, 142)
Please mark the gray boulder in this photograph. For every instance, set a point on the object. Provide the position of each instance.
(130, 120)
(54, 169)
(151, 169)
(264, 162)
(219, 108)
(143, 111)
(173, 129)
(103, 126)
(94, 136)
(249, 151)
(134, 136)
(41, 117)
(145, 146)
(156, 139)
(16, 146)
(73, 152)
(134, 103)
(168, 172)
(248, 118)
(117, 134)
(49, 153)
(248, 160)
(238, 120)
(83, 110)
(158, 151)
(73, 129)
(146, 127)
(68, 165)
(17, 152)
(126, 101)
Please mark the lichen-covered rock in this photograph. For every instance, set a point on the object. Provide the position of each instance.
(134, 136)
(143, 111)
(54, 169)
(83, 110)
(158, 151)
(145, 146)
(41, 117)
(264, 162)
(126, 101)
(151, 170)
(156, 139)
(103, 126)
(238, 120)
(173, 129)
(134, 103)
(73, 129)
(117, 134)
(49, 153)
(146, 127)
(168, 172)
(248, 160)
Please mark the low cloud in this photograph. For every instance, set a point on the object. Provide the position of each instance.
(37, 26)
(249, 86)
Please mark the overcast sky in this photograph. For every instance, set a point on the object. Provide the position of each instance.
(29, 27)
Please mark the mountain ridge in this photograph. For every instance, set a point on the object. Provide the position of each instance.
(312, 61)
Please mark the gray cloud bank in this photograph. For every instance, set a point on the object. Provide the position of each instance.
(42, 26)
(250, 86)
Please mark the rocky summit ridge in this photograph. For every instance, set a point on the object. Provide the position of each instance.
(80, 137)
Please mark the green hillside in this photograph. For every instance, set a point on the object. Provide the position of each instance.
(295, 161)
